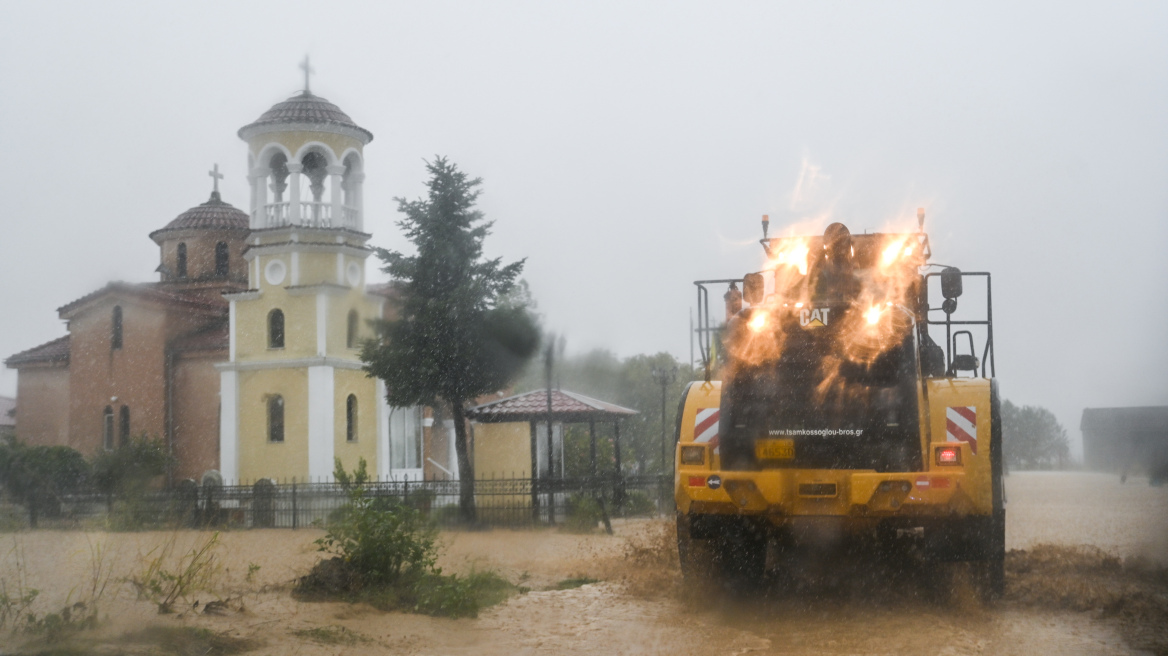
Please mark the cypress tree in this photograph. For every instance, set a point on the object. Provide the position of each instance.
(456, 333)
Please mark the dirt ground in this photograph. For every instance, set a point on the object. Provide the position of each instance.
(1085, 575)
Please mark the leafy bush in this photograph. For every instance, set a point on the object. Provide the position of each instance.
(384, 553)
(638, 502)
(37, 476)
(378, 541)
(130, 469)
(584, 513)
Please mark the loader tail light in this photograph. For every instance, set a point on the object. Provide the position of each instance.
(948, 455)
(697, 481)
(693, 455)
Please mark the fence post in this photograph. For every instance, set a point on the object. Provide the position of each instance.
(295, 510)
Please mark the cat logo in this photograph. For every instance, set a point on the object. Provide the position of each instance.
(813, 318)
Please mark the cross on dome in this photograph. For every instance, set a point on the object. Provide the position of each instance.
(308, 70)
(217, 176)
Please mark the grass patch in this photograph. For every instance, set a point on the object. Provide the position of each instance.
(573, 583)
(157, 641)
(189, 641)
(417, 591)
(331, 635)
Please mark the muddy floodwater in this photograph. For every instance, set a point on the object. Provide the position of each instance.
(1085, 575)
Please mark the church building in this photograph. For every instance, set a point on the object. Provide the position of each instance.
(244, 356)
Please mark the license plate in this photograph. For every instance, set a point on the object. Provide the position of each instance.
(774, 449)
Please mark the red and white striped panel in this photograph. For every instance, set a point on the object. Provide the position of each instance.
(706, 427)
(961, 425)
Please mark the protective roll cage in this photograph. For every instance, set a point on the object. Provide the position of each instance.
(707, 333)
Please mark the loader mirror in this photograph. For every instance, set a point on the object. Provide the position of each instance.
(951, 282)
(753, 288)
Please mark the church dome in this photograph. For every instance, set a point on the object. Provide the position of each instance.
(304, 109)
(211, 215)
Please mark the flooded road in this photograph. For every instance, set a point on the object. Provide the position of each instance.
(1085, 575)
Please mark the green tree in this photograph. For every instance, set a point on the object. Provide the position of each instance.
(459, 332)
(37, 476)
(1032, 438)
(129, 469)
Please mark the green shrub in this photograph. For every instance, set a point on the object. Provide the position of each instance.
(379, 541)
(384, 553)
(129, 469)
(638, 502)
(584, 513)
(37, 476)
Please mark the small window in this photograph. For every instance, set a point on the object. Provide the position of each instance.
(124, 426)
(181, 264)
(116, 336)
(107, 428)
(351, 339)
(275, 418)
(351, 418)
(221, 264)
(276, 329)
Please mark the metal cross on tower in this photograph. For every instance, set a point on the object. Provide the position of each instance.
(216, 176)
(308, 70)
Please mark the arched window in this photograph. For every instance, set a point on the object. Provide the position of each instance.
(275, 329)
(181, 265)
(221, 259)
(351, 418)
(351, 338)
(107, 428)
(116, 331)
(275, 418)
(124, 426)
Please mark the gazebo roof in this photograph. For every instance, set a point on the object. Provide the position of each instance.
(568, 407)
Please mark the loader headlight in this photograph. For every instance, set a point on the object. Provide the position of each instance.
(693, 455)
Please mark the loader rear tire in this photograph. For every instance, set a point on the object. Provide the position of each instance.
(741, 556)
(696, 556)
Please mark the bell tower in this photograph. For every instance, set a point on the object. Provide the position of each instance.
(293, 393)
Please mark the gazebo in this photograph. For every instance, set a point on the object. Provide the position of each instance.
(558, 406)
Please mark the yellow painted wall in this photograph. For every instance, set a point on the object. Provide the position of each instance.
(259, 458)
(317, 268)
(348, 382)
(501, 450)
(338, 322)
(251, 326)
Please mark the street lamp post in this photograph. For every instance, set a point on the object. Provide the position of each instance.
(664, 376)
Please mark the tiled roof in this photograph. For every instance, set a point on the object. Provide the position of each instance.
(148, 291)
(566, 406)
(211, 215)
(54, 351)
(305, 108)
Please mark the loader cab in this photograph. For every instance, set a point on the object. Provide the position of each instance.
(832, 346)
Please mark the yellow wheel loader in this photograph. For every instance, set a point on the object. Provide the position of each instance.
(846, 396)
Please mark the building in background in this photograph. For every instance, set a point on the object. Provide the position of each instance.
(244, 356)
(1126, 440)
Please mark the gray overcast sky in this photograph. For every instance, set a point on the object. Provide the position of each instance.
(628, 148)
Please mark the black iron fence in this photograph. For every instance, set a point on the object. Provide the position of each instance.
(580, 502)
